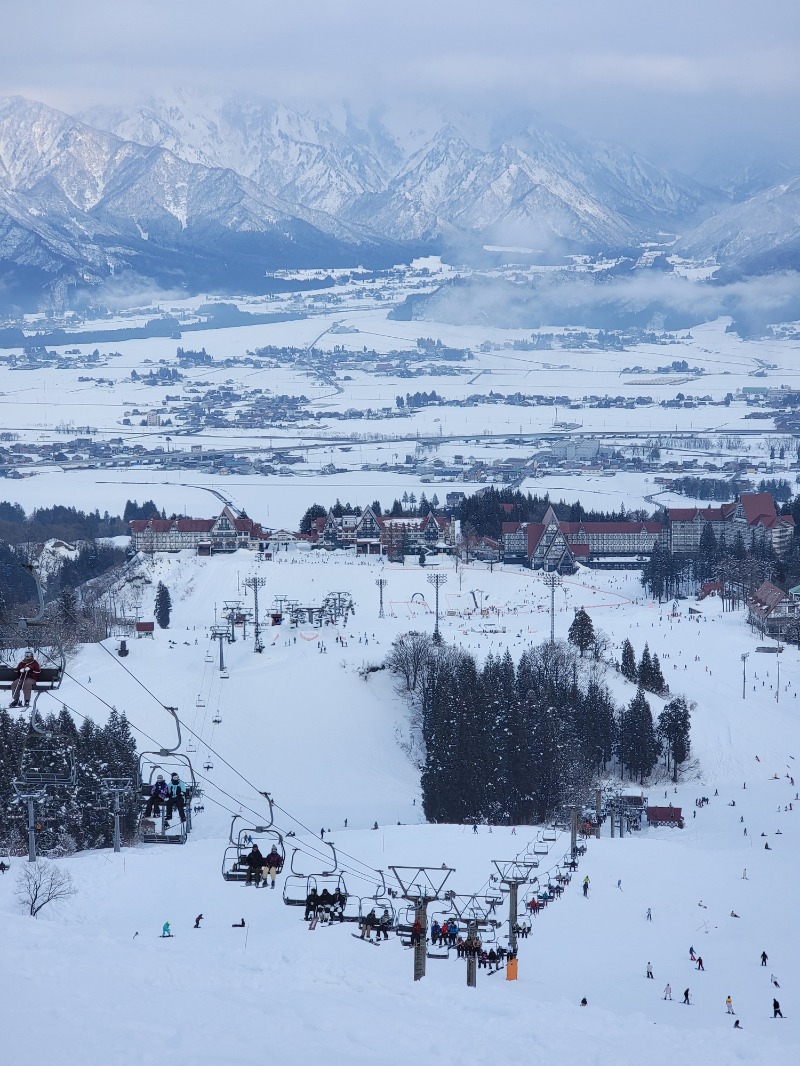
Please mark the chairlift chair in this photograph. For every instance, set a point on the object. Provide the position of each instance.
(200, 702)
(208, 765)
(540, 848)
(216, 720)
(234, 866)
(167, 761)
(224, 675)
(550, 835)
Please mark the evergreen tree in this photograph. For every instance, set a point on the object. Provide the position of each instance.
(674, 724)
(638, 744)
(658, 683)
(646, 670)
(707, 554)
(581, 632)
(163, 606)
(628, 665)
(316, 510)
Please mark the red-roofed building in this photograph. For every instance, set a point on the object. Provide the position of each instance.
(554, 545)
(225, 533)
(754, 518)
(772, 610)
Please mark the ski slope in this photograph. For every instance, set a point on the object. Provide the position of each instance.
(93, 979)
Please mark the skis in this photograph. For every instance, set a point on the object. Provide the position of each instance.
(364, 940)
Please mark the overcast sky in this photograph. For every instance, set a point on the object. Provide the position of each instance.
(671, 76)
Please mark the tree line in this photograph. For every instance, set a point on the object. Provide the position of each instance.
(510, 743)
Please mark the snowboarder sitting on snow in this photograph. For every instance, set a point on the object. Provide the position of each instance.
(255, 860)
(312, 902)
(272, 865)
(158, 795)
(369, 925)
(177, 792)
(28, 671)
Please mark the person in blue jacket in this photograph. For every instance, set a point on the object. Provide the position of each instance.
(177, 792)
(165, 929)
(158, 795)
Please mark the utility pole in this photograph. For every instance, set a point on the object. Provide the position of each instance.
(437, 580)
(381, 582)
(744, 657)
(598, 810)
(421, 885)
(116, 786)
(256, 583)
(778, 685)
(553, 580)
(472, 960)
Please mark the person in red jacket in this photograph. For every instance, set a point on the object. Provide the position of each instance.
(27, 674)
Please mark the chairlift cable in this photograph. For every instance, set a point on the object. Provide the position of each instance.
(222, 759)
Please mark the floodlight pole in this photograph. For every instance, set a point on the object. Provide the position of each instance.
(381, 582)
(553, 580)
(255, 583)
(437, 580)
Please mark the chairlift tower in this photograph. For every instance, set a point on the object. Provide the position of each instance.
(512, 874)
(475, 911)
(29, 795)
(553, 580)
(220, 633)
(437, 580)
(232, 610)
(421, 885)
(381, 582)
(256, 583)
(116, 787)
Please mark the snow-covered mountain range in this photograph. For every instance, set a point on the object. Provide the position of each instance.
(190, 194)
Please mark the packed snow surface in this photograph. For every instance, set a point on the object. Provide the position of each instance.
(93, 982)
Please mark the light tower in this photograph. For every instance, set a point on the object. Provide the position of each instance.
(437, 580)
(381, 582)
(553, 580)
(256, 583)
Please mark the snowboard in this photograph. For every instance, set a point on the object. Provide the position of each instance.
(313, 923)
(364, 940)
